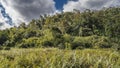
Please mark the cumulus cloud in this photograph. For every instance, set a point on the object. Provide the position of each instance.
(3, 24)
(1, 18)
(5, 20)
(25, 10)
(90, 4)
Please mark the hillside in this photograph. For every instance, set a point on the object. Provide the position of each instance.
(89, 39)
(88, 29)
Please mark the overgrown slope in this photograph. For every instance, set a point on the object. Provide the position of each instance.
(88, 29)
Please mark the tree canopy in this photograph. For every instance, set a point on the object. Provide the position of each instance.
(88, 29)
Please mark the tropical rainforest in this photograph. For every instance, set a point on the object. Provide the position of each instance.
(88, 39)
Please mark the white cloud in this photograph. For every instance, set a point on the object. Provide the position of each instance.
(3, 25)
(1, 18)
(26, 10)
(89, 4)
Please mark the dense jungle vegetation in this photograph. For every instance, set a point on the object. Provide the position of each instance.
(89, 39)
(88, 29)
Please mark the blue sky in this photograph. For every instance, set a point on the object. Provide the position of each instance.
(59, 4)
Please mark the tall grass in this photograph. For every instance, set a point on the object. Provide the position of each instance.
(56, 58)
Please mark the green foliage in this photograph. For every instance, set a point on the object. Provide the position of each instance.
(88, 29)
(91, 42)
(103, 42)
(82, 42)
(28, 43)
(55, 58)
(94, 34)
(3, 37)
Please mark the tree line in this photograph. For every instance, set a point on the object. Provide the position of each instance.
(71, 30)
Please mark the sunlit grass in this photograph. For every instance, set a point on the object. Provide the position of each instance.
(56, 58)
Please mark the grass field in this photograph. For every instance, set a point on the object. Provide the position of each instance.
(56, 58)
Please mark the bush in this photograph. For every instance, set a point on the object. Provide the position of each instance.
(28, 43)
(67, 38)
(1, 48)
(47, 44)
(91, 42)
(67, 46)
(103, 42)
(84, 42)
(6, 48)
(3, 37)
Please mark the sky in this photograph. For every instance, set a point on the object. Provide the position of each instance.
(59, 4)
(15, 12)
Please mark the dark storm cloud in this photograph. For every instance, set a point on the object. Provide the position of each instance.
(33, 9)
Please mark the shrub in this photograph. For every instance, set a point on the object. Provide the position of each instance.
(84, 42)
(47, 44)
(1, 48)
(67, 46)
(28, 43)
(103, 42)
(3, 37)
(67, 38)
(6, 48)
(91, 42)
